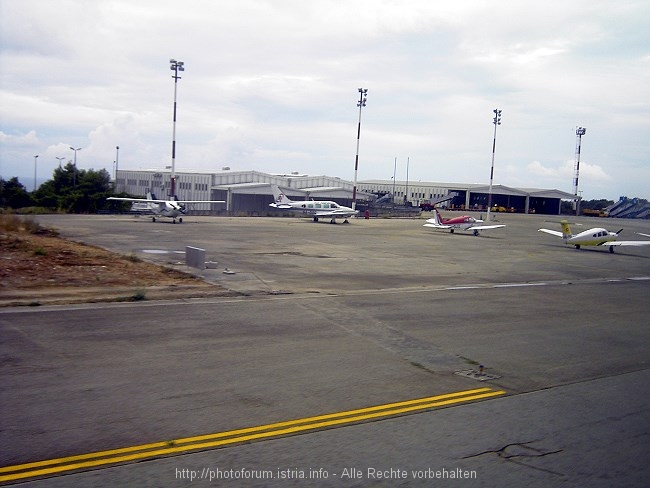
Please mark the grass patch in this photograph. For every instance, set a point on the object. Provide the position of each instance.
(133, 258)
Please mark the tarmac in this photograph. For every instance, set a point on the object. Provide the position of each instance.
(327, 319)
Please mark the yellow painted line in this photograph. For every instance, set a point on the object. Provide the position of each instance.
(143, 451)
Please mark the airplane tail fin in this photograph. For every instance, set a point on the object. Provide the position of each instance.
(278, 196)
(437, 218)
(566, 230)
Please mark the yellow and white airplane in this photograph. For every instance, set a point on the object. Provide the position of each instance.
(171, 209)
(312, 208)
(592, 237)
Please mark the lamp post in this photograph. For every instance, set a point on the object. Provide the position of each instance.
(117, 162)
(35, 158)
(74, 173)
(60, 159)
(496, 121)
(394, 182)
(580, 131)
(175, 66)
(361, 103)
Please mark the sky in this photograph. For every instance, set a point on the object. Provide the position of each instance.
(272, 86)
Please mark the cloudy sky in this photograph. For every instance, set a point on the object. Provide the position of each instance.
(272, 85)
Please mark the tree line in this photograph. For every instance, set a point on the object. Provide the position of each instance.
(70, 190)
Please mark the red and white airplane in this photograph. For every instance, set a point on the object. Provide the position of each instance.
(464, 222)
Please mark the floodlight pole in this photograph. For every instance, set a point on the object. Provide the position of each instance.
(117, 162)
(60, 159)
(361, 103)
(496, 121)
(580, 131)
(74, 172)
(35, 158)
(175, 66)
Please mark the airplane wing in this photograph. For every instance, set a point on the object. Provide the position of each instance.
(199, 201)
(433, 223)
(164, 201)
(556, 233)
(136, 200)
(485, 227)
(627, 243)
(340, 213)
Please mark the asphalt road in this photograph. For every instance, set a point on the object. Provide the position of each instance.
(334, 318)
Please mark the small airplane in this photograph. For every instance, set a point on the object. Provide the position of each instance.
(592, 237)
(164, 208)
(312, 208)
(464, 222)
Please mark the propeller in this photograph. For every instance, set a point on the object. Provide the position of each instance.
(617, 233)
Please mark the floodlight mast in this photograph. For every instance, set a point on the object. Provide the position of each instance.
(580, 131)
(175, 66)
(361, 103)
(35, 159)
(74, 173)
(496, 121)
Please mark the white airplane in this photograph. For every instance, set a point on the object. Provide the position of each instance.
(164, 208)
(312, 208)
(592, 237)
(464, 222)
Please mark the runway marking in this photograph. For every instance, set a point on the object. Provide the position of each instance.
(188, 444)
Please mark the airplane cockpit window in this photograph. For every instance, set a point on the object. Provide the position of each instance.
(334, 205)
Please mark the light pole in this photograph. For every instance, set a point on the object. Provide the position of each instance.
(580, 131)
(35, 158)
(60, 159)
(496, 121)
(361, 103)
(74, 173)
(117, 161)
(175, 66)
(394, 182)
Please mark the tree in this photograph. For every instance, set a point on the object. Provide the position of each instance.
(75, 190)
(13, 194)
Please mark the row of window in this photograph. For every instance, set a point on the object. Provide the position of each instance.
(182, 185)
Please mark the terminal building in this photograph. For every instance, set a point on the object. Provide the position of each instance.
(249, 192)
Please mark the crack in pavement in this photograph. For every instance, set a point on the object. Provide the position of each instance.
(516, 451)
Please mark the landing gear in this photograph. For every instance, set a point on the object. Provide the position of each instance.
(346, 221)
(315, 219)
(153, 219)
(611, 249)
(475, 232)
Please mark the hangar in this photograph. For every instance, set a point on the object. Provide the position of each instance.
(249, 192)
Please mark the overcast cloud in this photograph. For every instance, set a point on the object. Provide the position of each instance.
(271, 85)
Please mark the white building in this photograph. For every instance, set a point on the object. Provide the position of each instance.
(249, 192)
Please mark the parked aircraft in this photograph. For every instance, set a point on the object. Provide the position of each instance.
(164, 208)
(592, 237)
(464, 222)
(312, 208)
